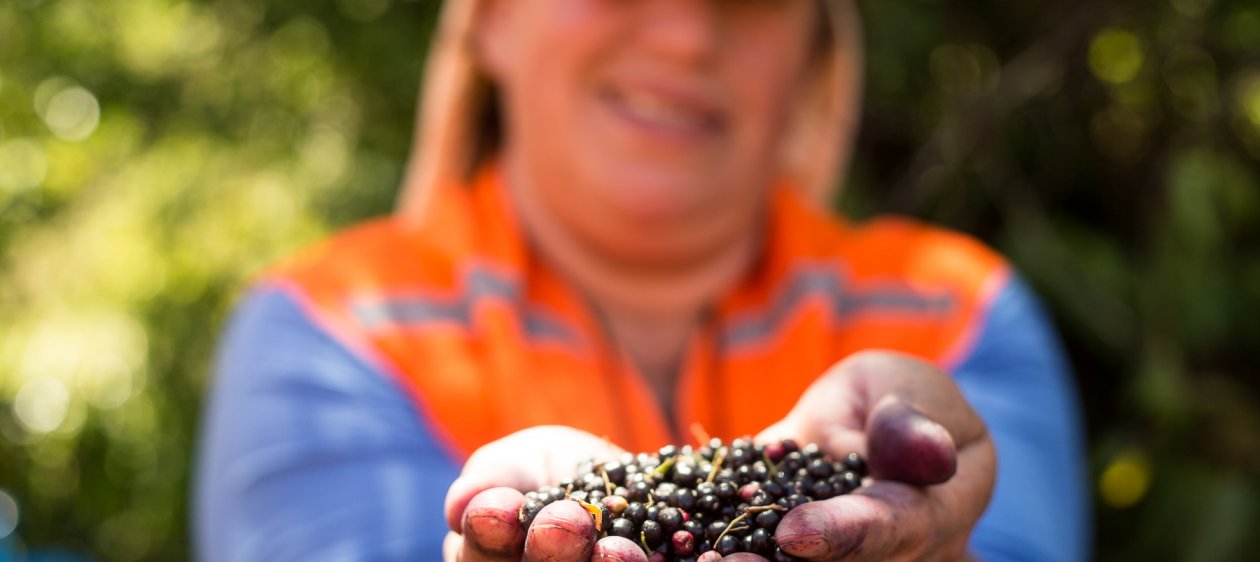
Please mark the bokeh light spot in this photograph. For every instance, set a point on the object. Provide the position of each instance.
(1249, 99)
(326, 152)
(23, 165)
(1191, 8)
(41, 404)
(9, 514)
(956, 69)
(1126, 480)
(148, 35)
(1115, 55)
(72, 114)
(48, 88)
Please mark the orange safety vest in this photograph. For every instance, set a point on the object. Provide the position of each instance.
(487, 340)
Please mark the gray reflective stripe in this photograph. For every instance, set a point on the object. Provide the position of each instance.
(825, 283)
(479, 285)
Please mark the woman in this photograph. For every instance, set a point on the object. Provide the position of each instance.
(612, 232)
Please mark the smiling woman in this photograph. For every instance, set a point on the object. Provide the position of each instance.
(461, 124)
(612, 226)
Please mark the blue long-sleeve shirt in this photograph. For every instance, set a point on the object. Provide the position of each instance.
(310, 453)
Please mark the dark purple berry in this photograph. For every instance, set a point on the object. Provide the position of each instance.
(727, 546)
(821, 490)
(616, 472)
(819, 468)
(623, 527)
(762, 542)
(792, 462)
(636, 513)
(796, 500)
(767, 519)
(762, 498)
(775, 452)
(684, 543)
(670, 519)
(694, 527)
(714, 530)
(653, 535)
(685, 475)
(759, 471)
(773, 488)
(529, 510)
(685, 499)
(747, 490)
(852, 481)
(854, 462)
(708, 503)
(638, 491)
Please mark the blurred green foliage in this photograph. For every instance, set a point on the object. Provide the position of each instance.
(154, 154)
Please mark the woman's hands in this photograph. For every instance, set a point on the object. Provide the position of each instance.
(929, 455)
(930, 458)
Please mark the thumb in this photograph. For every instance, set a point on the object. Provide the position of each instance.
(905, 445)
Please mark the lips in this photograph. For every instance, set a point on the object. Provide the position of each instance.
(664, 111)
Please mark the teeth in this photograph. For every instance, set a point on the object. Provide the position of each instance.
(661, 111)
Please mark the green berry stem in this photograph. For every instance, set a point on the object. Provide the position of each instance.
(717, 464)
(663, 469)
(741, 517)
(608, 487)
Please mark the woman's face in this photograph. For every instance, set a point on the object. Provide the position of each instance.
(648, 128)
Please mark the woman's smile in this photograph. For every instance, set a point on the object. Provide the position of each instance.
(665, 114)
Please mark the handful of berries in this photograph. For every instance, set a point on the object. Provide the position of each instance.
(687, 505)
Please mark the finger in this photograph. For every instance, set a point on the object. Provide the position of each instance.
(857, 525)
(886, 520)
(841, 407)
(499, 464)
(928, 390)
(832, 437)
(451, 545)
(491, 528)
(617, 549)
(906, 446)
(467, 487)
(562, 531)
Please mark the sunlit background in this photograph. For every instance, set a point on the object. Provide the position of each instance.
(156, 154)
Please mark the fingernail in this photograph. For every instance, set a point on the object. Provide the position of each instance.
(811, 544)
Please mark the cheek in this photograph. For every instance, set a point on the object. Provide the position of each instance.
(555, 41)
(765, 67)
(547, 84)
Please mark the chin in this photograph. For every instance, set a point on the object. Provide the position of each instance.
(655, 200)
(658, 226)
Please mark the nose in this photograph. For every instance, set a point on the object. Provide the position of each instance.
(685, 30)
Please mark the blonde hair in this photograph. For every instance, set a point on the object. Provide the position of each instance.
(456, 104)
